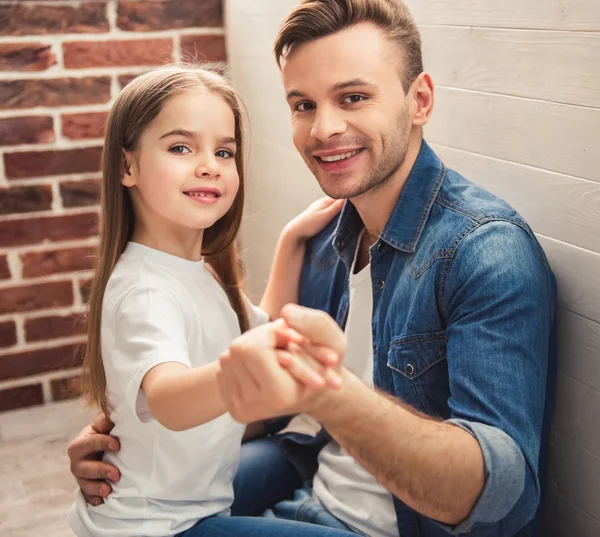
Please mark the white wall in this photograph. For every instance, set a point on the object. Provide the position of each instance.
(517, 110)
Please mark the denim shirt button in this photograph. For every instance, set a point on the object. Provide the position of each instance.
(380, 246)
(409, 370)
(380, 284)
(340, 243)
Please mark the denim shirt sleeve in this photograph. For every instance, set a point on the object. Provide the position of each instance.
(499, 299)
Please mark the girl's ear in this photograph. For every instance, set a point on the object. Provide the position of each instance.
(128, 178)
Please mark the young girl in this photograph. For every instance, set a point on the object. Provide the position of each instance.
(166, 301)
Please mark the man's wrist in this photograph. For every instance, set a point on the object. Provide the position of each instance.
(331, 405)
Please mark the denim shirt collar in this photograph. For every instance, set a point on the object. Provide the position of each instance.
(407, 221)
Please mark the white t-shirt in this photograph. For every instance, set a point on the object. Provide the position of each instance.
(341, 484)
(160, 308)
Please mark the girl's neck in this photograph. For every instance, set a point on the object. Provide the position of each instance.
(187, 244)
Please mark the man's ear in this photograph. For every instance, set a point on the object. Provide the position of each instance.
(128, 178)
(423, 91)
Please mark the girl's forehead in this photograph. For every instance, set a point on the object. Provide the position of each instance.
(195, 111)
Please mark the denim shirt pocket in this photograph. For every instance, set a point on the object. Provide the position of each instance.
(420, 371)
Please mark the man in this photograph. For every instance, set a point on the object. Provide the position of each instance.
(446, 299)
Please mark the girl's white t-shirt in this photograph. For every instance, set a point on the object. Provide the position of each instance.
(161, 308)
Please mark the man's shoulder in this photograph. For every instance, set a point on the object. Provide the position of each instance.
(465, 198)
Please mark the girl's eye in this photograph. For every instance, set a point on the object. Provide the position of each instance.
(179, 149)
(304, 106)
(224, 153)
(355, 98)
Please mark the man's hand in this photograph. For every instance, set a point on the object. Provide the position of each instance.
(252, 381)
(85, 454)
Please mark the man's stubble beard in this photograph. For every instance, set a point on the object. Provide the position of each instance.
(389, 163)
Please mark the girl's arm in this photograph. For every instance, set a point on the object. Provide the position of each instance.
(181, 398)
(282, 287)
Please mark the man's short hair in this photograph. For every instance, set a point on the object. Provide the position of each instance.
(313, 19)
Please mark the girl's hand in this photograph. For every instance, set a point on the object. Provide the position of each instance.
(313, 219)
(312, 365)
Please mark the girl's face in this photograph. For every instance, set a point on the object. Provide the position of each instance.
(183, 173)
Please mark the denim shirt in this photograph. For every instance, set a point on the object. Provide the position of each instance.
(463, 330)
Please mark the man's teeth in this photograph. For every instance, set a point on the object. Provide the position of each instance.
(343, 156)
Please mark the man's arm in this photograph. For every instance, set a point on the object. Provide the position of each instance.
(481, 466)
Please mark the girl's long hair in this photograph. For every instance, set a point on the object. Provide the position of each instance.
(135, 107)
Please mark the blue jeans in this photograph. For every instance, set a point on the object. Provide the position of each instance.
(268, 484)
(226, 526)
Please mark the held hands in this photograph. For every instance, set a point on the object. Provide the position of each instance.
(286, 367)
(314, 218)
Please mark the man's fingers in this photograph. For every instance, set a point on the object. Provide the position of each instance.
(91, 469)
(94, 489)
(316, 325)
(300, 370)
(91, 444)
(102, 424)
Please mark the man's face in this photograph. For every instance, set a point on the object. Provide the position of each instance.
(351, 120)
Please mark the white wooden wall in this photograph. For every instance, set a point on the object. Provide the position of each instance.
(517, 110)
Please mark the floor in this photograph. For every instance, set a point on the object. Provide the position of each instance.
(36, 488)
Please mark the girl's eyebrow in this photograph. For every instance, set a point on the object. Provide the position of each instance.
(179, 132)
(190, 134)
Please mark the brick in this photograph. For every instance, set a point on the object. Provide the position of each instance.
(36, 264)
(36, 19)
(26, 130)
(21, 397)
(126, 79)
(203, 48)
(8, 334)
(35, 297)
(16, 94)
(26, 57)
(27, 164)
(148, 16)
(25, 199)
(54, 326)
(4, 268)
(84, 289)
(67, 388)
(51, 228)
(80, 193)
(36, 362)
(84, 126)
(83, 54)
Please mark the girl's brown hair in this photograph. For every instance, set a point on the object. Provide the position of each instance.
(135, 107)
(313, 19)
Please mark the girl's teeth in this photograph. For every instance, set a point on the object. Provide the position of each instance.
(335, 158)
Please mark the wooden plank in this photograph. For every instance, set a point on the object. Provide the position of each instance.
(558, 206)
(574, 474)
(533, 14)
(577, 410)
(555, 137)
(563, 519)
(563, 67)
(579, 348)
(576, 272)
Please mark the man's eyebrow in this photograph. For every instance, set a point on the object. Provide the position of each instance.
(354, 83)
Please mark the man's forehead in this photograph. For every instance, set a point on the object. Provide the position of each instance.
(360, 52)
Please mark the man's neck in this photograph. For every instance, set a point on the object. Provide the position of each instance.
(375, 207)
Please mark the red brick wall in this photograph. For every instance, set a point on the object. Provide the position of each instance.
(61, 66)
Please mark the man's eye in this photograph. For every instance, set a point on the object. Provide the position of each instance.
(179, 149)
(354, 98)
(304, 106)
